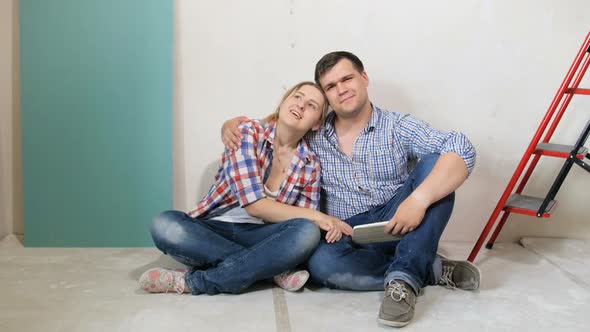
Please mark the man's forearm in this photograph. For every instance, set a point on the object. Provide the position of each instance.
(447, 175)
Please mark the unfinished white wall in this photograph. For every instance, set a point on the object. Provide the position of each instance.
(10, 192)
(487, 68)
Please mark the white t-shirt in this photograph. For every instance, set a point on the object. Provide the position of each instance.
(239, 214)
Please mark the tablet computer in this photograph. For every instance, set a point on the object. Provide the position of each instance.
(372, 233)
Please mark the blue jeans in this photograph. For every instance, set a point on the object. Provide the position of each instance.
(229, 257)
(413, 259)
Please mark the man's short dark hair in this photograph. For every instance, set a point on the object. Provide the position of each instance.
(331, 59)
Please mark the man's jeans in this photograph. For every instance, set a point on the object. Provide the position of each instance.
(413, 259)
(229, 257)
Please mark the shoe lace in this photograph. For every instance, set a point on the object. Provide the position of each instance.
(176, 283)
(397, 291)
(446, 280)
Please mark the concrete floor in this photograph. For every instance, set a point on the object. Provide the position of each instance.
(543, 286)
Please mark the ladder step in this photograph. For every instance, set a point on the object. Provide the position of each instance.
(578, 91)
(559, 150)
(528, 205)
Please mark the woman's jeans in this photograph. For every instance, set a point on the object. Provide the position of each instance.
(229, 257)
(413, 259)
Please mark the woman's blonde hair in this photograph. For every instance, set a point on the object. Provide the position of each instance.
(291, 91)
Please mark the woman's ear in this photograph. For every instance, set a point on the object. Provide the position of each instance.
(317, 126)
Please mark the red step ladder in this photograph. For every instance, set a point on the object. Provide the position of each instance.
(513, 201)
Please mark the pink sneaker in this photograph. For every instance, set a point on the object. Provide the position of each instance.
(291, 281)
(160, 280)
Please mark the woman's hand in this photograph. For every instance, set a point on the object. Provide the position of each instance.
(230, 133)
(334, 227)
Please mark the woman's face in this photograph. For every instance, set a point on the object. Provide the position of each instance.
(303, 108)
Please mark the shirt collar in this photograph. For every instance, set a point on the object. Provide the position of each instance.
(371, 125)
(374, 120)
(303, 151)
(269, 132)
(329, 124)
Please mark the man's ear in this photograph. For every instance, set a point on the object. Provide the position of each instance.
(366, 77)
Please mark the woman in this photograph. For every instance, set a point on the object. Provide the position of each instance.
(260, 217)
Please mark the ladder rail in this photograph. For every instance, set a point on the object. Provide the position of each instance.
(549, 134)
(581, 140)
(567, 166)
(565, 169)
(528, 174)
(496, 232)
(585, 48)
(549, 115)
(568, 98)
(555, 121)
(582, 164)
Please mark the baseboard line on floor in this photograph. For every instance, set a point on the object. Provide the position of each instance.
(281, 310)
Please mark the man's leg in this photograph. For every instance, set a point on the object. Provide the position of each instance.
(415, 263)
(415, 260)
(346, 265)
(416, 251)
(412, 266)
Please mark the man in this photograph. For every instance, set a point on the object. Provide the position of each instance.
(366, 155)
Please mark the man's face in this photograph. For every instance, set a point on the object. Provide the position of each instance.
(346, 89)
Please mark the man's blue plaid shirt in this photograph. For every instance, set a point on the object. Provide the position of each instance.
(381, 161)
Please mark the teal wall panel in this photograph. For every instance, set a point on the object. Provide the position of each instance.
(96, 120)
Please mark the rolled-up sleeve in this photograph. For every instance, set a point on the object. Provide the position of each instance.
(419, 139)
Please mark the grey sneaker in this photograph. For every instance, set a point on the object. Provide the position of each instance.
(397, 308)
(459, 274)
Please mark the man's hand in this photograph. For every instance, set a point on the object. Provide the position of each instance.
(408, 216)
(230, 133)
(334, 227)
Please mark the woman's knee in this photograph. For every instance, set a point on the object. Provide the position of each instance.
(165, 227)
